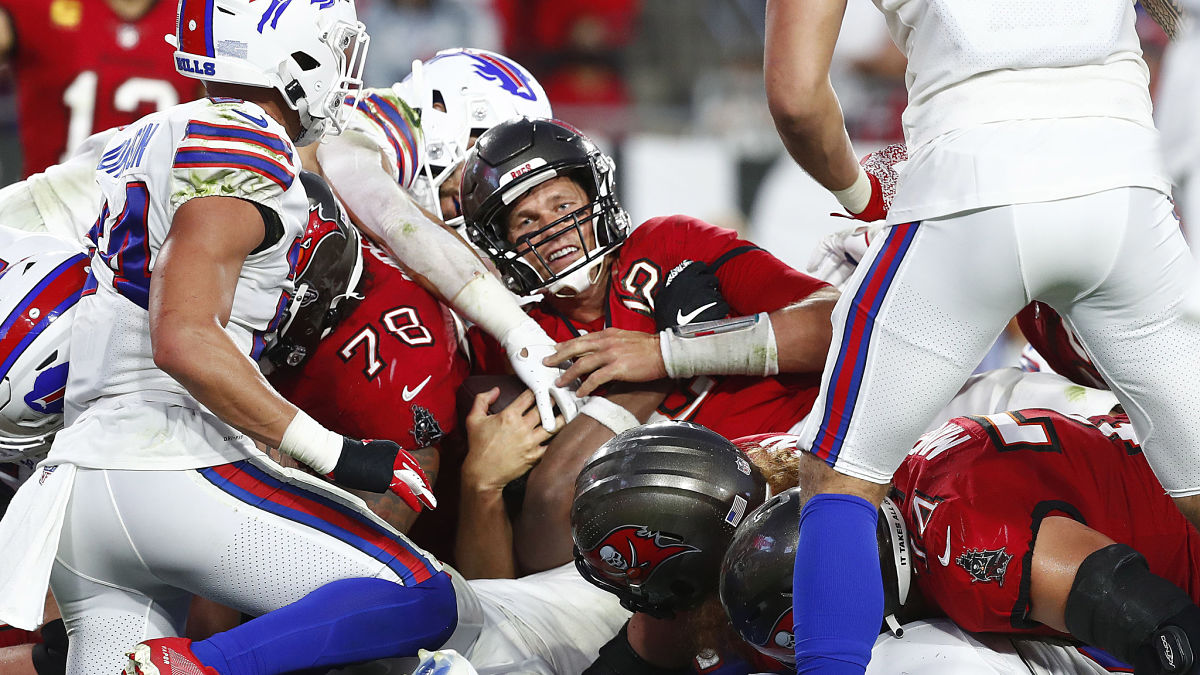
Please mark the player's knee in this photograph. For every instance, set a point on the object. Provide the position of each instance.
(817, 477)
(442, 606)
(50, 657)
(1116, 603)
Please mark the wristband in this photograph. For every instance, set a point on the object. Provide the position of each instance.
(612, 415)
(856, 197)
(485, 302)
(309, 442)
(741, 346)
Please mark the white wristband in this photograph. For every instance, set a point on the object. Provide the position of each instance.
(740, 346)
(485, 302)
(612, 415)
(309, 442)
(856, 197)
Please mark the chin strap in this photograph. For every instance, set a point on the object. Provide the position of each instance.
(578, 281)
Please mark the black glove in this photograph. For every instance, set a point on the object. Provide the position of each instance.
(692, 294)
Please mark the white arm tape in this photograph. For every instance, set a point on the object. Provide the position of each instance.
(856, 197)
(309, 442)
(352, 164)
(744, 345)
(612, 415)
(485, 302)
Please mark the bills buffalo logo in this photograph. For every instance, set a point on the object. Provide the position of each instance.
(48, 391)
(985, 566)
(633, 552)
(426, 431)
(504, 74)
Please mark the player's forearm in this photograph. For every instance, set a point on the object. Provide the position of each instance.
(390, 216)
(799, 47)
(206, 361)
(483, 545)
(803, 332)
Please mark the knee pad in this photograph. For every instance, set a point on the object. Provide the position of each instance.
(1117, 604)
(618, 658)
(50, 657)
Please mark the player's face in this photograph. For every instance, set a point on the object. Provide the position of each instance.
(559, 247)
(448, 195)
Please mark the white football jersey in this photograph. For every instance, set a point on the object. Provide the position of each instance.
(1020, 101)
(209, 147)
(939, 647)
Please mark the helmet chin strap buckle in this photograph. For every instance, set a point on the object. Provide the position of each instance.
(893, 625)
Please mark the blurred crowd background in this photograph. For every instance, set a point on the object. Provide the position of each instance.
(673, 89)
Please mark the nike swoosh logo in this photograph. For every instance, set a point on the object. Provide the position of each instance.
(682, 319)
(409, 395)
(260, 120)
(945, 557)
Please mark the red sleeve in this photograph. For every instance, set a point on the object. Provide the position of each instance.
(752, 280)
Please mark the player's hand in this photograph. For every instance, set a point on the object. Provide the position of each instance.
(503, 446)
(881, 171)
(527, 345)
(609, 355)
(837, 255)
(377, 466)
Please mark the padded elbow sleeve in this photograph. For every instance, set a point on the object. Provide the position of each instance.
(1117, 604)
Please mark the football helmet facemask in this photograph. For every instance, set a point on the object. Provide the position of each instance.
(655, 508)
(504, 165)
(311, 51)
(460, 93)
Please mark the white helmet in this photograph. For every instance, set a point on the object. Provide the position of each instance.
(312, 51)
(478, 89)
(40, 284)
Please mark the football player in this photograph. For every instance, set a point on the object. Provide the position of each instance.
(1085, 543)
(383, 154)
(193, 264)
(654, 511)
(1005, 197)
(739, 333)
(83, 66)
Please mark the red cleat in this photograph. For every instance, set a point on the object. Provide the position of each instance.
(166, 656)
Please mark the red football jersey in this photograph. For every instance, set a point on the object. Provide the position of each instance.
(1046, 332)
(80, 69)
(975, 491)
(398, 335)
(751, 281)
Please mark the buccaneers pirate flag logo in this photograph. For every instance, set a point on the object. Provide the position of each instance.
(633, 552)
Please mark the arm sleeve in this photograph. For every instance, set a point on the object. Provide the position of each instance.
(393, 126)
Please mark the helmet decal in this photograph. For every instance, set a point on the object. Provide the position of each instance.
(53, 295)
(273, 12)
(195, 27)
(510, 79)
(634, 552)
(48, 391)
(783, 634)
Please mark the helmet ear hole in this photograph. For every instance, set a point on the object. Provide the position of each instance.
(305, 61)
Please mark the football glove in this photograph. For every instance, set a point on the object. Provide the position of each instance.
(380, 466)
(880, 167)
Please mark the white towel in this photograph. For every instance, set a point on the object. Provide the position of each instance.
(28, 542)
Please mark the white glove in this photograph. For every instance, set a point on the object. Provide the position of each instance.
(527, 344)
(443, 662)
(837, 255)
